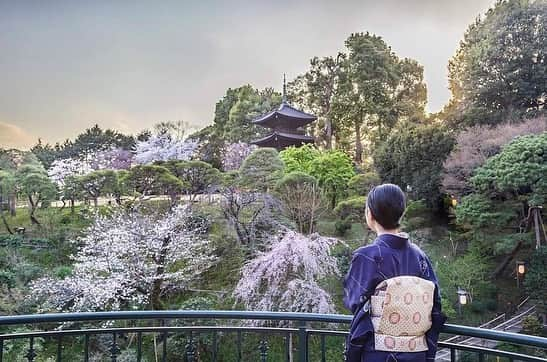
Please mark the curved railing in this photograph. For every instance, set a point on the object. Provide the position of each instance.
(245, 335)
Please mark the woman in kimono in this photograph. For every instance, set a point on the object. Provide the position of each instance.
(391, 290)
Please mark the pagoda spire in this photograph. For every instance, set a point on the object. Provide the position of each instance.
(284, 89)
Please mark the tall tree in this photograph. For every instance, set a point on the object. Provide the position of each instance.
(235, 111)
(498, 73)
(413, 156)
(7, 189)
(35, 185)
(317, 91)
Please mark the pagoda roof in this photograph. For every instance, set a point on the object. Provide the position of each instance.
(286, 116)
(282, 139)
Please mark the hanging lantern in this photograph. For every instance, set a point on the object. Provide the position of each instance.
(462, 297)
(521, 268)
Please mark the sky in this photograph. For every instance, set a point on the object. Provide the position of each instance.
(126, 65)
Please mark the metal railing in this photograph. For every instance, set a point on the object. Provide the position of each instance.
(243, 336)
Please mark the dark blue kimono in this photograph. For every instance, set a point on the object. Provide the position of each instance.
(387, 257)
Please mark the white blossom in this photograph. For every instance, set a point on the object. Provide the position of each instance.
(61, 169)
(284, 278)
(235, 154)
(123, 257)
(164, 147)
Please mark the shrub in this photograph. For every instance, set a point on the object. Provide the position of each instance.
(262, 169)
(352, 209)
(342, 226)
(413, 156)
(302, 199)
(361, 184)
(475, 145)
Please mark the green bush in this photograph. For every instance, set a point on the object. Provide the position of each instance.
(414, 156)
(7, 279)
(63, 271)
(352, 209)
(342, 226)
(261, 169)
(361, 184)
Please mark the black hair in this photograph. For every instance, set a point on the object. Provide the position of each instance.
(387, 204)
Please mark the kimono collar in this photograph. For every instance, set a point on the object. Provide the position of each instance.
(398, 241)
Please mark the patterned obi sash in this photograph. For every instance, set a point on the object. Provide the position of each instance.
(401, 314)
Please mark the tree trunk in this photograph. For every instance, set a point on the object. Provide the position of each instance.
(72, 208)
(328, 133)
(96, 202)
(5, 222)
(12, 202)
(64, 204)
(32, 210)
(358, 143)
(155, 303)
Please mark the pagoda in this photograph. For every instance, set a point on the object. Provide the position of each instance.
(287, 124)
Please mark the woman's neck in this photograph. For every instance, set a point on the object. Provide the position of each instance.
(381, 231)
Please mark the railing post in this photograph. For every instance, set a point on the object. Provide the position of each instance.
(263, 348)
(302, 342)
(31, 354)
(114, 349)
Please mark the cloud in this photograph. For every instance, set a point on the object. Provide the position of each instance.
(12, 136)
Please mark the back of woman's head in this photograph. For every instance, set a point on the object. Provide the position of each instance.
(387, 204)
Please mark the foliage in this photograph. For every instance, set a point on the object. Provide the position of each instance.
(299, 158)
(92, 141)
(379, 89)
(517, 172)
(197, 176)
(468, 271)
(531, 325)
(342, 226)
(352, 209)
(98, 183)
(129, 258)
(284, 278)
(475, 145)
(210, 146)
(7, 193)
(413, 156)
(235, 154)
(361, 184)
(333, 170)
(34, 184)
(235, 111)
(148, 180)
(360, 94)
(318, 91)
(302, 199)
(534, 280)
(499, 71)
(262, 169)
(504, 187)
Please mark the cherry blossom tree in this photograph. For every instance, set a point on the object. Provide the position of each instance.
(112, 159)
(235, 154)
(285, 277)
(131, 258)
(61, 169)
(164, 147)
